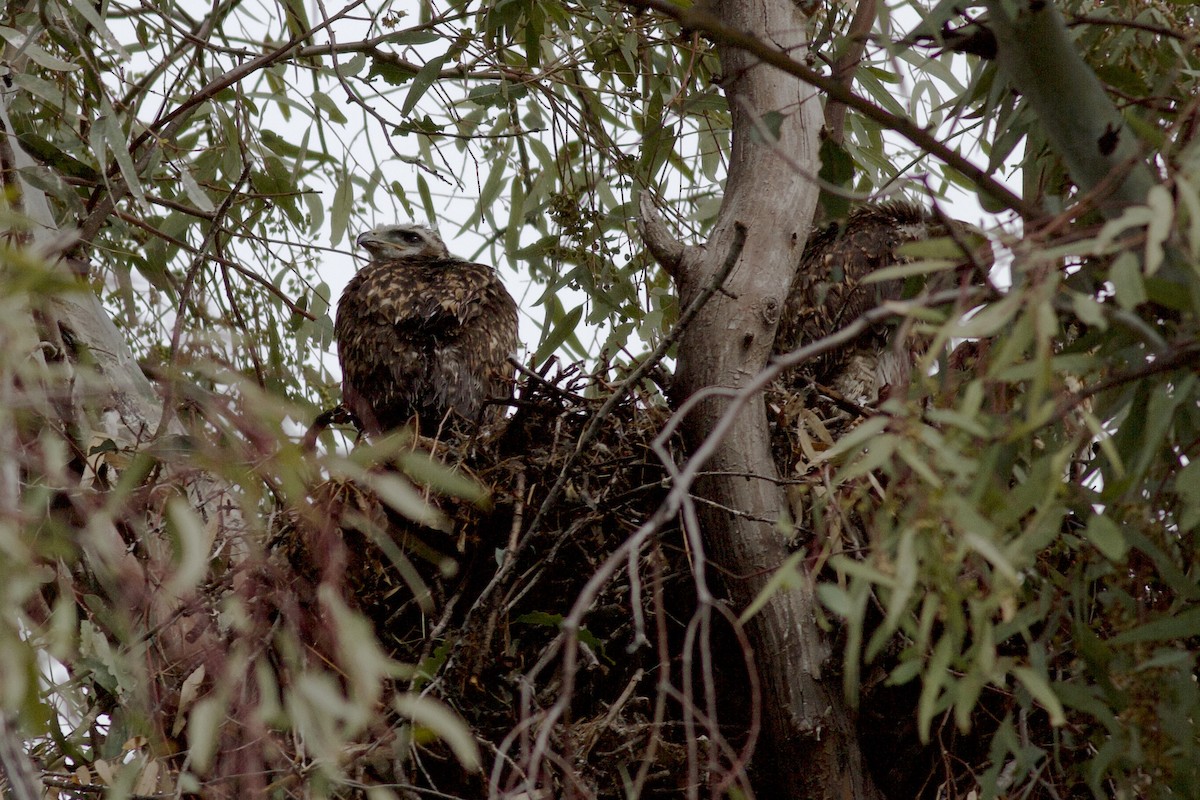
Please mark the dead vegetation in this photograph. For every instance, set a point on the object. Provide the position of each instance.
(477, 606)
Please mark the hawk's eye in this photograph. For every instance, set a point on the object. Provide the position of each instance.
(410, 237)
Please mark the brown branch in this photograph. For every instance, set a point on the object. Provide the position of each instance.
(695, 18)
(846, 65)
(662, 244)
(1146, 27)
(17, 768)
(222, 261)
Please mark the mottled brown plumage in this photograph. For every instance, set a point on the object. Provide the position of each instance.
(423, 334)
(827, 293)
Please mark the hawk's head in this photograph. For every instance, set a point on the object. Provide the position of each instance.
(402, 241)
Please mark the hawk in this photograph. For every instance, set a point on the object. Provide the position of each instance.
(422, 333)
(827, 293)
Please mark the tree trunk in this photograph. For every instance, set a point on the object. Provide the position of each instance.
(810, 749)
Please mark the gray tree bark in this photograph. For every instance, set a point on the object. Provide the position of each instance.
(810, 749)
(1038, 59)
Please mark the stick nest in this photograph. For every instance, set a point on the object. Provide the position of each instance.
(474, 605)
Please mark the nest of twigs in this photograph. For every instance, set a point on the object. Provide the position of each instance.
(475, 603)
(478, 602)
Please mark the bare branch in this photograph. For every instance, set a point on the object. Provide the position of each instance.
(22, 778)
(846, 65)
(662, 244)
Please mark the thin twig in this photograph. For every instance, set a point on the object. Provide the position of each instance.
(618, 394)
(23, 783)
(696, 18)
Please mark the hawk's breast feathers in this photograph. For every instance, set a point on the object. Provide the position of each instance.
(423, 334)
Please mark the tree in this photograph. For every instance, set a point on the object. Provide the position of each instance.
(1003, 554)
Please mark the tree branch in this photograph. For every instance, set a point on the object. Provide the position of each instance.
(662, 244)
(695, 18)
(1080, 121)
(846, 65)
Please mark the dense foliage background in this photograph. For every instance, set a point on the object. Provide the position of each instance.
(1013, 542)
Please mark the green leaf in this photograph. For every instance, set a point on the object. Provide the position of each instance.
(1088, 310)
(563, 329)
(836, 599)
(54, 158)
(431, 714)
(192, 545)
(1162, 218)
(770, 123)
(406, 500)
(193, 191)
(1039, 688)
(37, 55)
(423, 468)
(936, 674)
(491, 187)
(1126, 277)
(1106, 536)
(1179, 626)
(331, 109)
(203, 723)
(788, 576)
(339, 217)
(837, 169)
(421, 83)
(108, 136)
(418, 36)
(426, 199)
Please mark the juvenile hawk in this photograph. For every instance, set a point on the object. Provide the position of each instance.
(422, 334)
(828, 293)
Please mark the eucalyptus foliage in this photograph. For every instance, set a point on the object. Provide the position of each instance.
(1031, 518)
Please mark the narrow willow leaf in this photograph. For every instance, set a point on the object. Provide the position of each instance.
(429, 713)
(1126, 278)
(421, 83)
(193, 191)
(193, 541)
(931, 689)
(404, 499)
(326, 104)
(426, 199)
(339, 215)
(516, 215)
(116, 142)
(788, 576)
(1162, 219)
(1107, 537)
(187, 697)
(423, 468)
(563, 329)
(1189, 196)
(36, 54)
(1039, 687)
(491, 186)
(203, 724)
(87, 10)
(1179, 626)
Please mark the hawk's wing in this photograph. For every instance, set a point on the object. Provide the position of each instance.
(461, 291)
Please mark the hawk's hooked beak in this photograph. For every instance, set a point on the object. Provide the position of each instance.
(365, 237)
